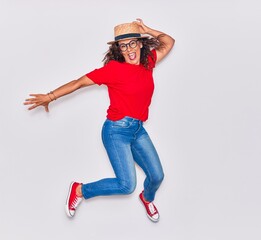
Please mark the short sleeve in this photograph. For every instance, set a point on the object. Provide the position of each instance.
(103, 75)
(152, 59)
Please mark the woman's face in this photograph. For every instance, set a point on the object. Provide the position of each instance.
(130, 49)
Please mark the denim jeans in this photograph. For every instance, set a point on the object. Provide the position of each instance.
(126, 142)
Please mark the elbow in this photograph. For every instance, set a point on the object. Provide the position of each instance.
(168, 43)
(172, 42)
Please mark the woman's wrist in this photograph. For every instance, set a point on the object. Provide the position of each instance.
(51, 96)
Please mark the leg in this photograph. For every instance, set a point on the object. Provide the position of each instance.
(119, 152)
(146, 156)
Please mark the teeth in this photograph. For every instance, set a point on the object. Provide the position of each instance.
(132, 56)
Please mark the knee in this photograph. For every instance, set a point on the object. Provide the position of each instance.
(157, 178)
(128, 187)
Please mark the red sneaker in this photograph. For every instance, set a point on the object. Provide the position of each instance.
(152, 211)
(72, 201)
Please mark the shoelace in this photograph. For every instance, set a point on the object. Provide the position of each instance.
(75, 202)
(152, 208)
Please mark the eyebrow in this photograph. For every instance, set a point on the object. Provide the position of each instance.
(128, 42)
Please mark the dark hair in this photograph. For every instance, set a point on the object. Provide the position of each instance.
(148, 44)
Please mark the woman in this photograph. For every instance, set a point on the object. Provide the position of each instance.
(127, 72)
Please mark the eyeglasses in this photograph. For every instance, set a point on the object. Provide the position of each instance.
(124, 46)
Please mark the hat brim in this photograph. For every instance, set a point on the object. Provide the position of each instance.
(111, 42)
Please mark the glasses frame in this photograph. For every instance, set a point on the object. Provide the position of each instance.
(128, 45)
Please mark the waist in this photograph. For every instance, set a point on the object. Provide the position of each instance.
(126, 118)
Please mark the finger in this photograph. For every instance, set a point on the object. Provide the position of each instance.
(33, 94)
(32, 107)
(30, 99)
(28, 103)
(137, 22)
(140, 22)
(46, 108)
(31, 102)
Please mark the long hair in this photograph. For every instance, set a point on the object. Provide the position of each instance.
(148, 44)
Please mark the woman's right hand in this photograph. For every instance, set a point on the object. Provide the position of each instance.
(38, 100)
(44, 99)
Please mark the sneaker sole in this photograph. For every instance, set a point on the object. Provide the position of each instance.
(152, 219)
(67, 202)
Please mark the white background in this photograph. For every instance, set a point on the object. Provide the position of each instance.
(205, 120)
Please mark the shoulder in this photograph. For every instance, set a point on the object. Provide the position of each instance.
(152, 58)
(154, 55)
(112, 63)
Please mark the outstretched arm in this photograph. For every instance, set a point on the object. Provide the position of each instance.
(166, 40)
(44, 99)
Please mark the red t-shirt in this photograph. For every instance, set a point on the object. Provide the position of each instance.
(130, 88)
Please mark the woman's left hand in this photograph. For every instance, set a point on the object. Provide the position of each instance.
(143, 28)
(166, 41)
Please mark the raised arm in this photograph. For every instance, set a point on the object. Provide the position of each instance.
(167, 41)
(44, 99)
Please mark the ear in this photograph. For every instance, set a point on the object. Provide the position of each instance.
(141, 45)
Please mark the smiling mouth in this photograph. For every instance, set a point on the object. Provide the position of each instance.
(132, 56)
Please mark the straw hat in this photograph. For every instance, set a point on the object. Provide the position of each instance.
(126, 31)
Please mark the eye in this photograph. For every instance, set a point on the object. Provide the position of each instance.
(133, 43)
(123, 47)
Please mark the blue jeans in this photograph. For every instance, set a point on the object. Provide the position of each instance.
(126, 142)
